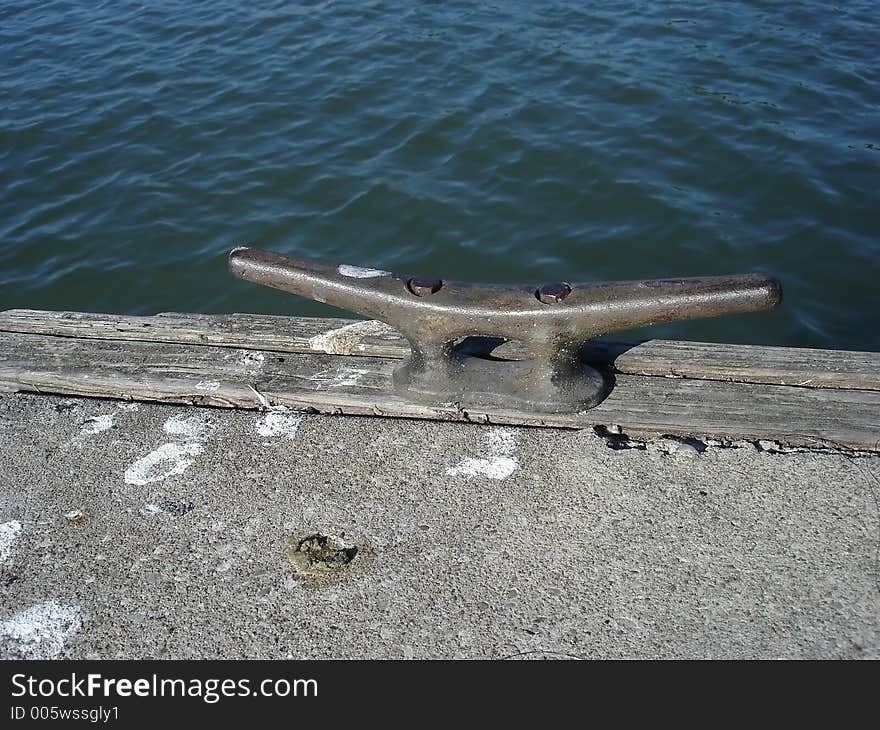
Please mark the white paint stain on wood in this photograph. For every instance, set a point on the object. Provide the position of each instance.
(346, 376)
(356, 272)
(348, 339)
(253, 361)
(339, 377)
(96, 424)
(498, 463)
(279, 424)
(208, 385)
(9, 532)
(166, 461)
(39, 632)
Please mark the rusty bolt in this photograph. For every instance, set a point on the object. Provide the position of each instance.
(422, 287)
(552, 293)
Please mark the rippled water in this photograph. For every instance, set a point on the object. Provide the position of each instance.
(489, 141)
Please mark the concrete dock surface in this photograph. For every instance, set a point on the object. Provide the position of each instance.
(132, 530)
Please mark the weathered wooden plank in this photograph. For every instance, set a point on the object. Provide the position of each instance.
(800, 367)
(699, 360)
(332, 384)
(283, 334)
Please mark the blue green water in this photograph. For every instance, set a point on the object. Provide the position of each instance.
(503, 142)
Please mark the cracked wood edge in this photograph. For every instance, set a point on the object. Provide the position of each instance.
(801, 367)
(247, 378)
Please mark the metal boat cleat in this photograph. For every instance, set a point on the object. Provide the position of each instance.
(452, 327)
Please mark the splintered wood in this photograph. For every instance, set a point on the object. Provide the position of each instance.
(795, 396)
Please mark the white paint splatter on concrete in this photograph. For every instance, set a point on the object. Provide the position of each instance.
(128, 406)
(96, 424)
(39, 632)
(8, 535)
(347, 340)
(499, 463)
(187, 428)
(495, 467)
(279, 424)
(166, 461)
(356, 272)
(208, 385)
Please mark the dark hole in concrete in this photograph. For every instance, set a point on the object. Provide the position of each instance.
(320, 553)
(699, 445)
(616, 440)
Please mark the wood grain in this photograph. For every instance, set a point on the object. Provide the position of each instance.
(808, 368)
(250, 378)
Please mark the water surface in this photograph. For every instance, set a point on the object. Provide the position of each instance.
(500, 142)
